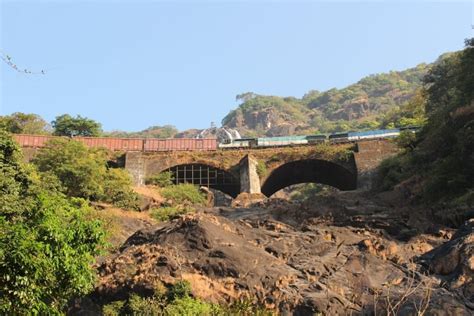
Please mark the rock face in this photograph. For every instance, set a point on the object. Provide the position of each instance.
(269, 120)
(454, 261)
(337, 255)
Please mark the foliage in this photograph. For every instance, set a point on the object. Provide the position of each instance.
(162, 179)
(66, 125)
(83, 173)
(183, 194)
(21, 123)
(411, 113)
(176, 301)
(188, 306)
(118, 189)
(81, 170)
(167, 213)
(47, 244)
(406, 140)
(179, 199)
(305, 191)
(261, 169)
(442, 155)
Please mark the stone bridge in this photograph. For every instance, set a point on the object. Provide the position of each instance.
(343, 166)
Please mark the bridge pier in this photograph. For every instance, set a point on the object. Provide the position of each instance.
(249, 179)
(368, 157)
(135, 165)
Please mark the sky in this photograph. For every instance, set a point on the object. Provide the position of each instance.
(135, 64)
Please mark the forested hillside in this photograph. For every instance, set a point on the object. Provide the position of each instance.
(375, 101)
(439, 164)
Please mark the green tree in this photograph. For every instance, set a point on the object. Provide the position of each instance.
(47, 243)
(81, 170)
(22, 123)
(443, 153)
(83, 173)
(66, 125)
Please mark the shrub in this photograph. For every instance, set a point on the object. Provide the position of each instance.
(308, 190)
(261, 169)
(175, 301)
(168, 213)
(180, 289)
(188, 306)
(83, 173)
(162, 179)
(183, 194)
(118, 189)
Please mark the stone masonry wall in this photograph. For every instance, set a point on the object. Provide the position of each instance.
(368, 156)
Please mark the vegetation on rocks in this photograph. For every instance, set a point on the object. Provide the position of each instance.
(178, 199)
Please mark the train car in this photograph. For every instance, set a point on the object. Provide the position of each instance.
(281, 141)
(112, 143)
(180, 144)
(316, 139)
(238, 143)
(412, 129)
(339, 137)
(374, 134)
(34, 141)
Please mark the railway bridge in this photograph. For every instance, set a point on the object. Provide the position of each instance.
(347, 166)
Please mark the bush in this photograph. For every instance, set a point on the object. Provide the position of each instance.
(392, 171)
(183, 194)
(176, 301)
(162, 179)
(261, 169)
(118, 189)
(307, 190)
(168, 213)
(83, 173)
(188, 306)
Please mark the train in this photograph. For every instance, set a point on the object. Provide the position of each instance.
(211, 144)
(345, 137)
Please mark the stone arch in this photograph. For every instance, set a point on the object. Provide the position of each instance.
(206, 175)
(309, 170)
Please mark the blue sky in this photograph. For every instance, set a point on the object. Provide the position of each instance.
(133, 64)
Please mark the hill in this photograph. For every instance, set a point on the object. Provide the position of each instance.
(363, 105)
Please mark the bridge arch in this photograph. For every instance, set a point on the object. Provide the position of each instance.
(206, 175)
(309, 170)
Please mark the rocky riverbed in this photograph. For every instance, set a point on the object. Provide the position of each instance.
(343, 254)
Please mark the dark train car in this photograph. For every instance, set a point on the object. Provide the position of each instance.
(339, 137)
(316, 139)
